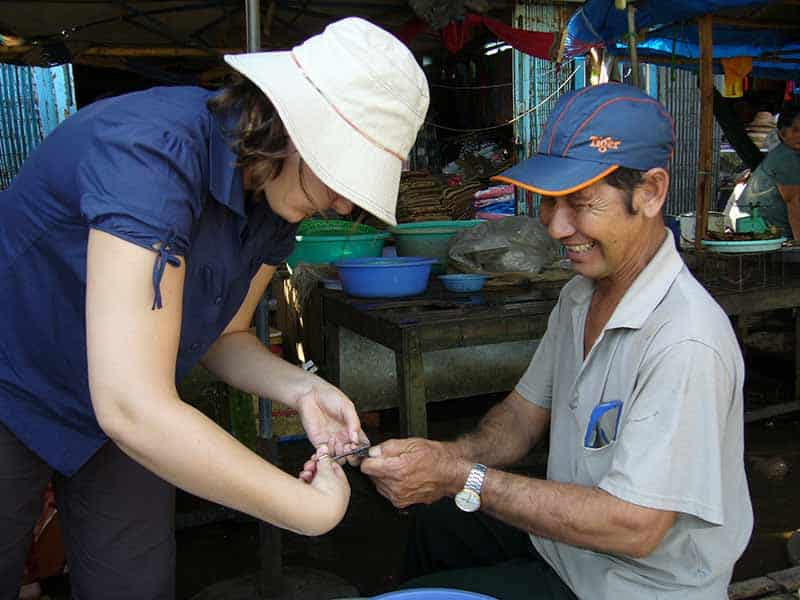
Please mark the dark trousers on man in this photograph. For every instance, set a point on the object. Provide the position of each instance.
(117, 520)
(471, 551)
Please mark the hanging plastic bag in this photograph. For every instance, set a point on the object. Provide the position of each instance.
(518, 245)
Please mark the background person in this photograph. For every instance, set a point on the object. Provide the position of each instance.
(638, 381)
(136, 241)
(774, 185)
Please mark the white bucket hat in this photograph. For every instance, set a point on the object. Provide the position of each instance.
(352, 99)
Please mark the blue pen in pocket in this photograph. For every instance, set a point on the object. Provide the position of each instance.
(603, 424)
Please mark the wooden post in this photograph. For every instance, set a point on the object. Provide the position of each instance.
(703, 201)
(632, 44)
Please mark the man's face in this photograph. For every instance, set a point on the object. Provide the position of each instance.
(602, 239)
(791, 135)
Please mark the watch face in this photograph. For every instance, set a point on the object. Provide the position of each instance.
(467, 500)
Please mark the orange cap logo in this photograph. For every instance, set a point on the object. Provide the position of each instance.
(604, 144)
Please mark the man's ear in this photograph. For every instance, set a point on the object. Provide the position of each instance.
(650, 195)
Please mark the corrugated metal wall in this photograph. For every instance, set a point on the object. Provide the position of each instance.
(537, 82)
(678, 90)
(33, 101)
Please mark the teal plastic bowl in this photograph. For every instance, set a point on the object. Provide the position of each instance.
(463, 282)
(327, 241)
(428, 238)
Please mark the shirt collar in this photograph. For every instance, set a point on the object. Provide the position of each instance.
(647, 291)
(225, 183)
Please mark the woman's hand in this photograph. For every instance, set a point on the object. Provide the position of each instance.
(327, 477)
(329, 417)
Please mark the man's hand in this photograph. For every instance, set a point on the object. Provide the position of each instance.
(415, 470)
(329, 417)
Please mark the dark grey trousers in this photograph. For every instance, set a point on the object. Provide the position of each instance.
(117, 519)
(476, 553)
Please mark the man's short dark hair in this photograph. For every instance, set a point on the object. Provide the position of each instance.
(626, 180)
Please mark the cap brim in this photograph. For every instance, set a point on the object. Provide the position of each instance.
(334, 150)
(555, 175)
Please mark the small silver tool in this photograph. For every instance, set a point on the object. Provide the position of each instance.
(360, 451)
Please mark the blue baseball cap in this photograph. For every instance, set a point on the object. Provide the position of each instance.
(593, 132)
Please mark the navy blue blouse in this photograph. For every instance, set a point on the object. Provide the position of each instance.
(153, 168)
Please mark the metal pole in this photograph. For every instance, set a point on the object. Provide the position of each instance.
(262, 331)
(253, 20)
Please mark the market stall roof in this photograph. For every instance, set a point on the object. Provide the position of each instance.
(767, 30)
(177, 36)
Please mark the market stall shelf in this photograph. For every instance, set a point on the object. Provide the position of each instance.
(737, 271)
(781, 585)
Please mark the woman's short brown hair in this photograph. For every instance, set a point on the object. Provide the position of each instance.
(259, 138)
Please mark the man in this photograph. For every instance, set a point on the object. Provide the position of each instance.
(638, 380)
(774, 185)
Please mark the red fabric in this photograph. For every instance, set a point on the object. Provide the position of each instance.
(411, 29)
(536, 43)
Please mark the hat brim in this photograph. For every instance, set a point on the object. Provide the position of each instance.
(334, 150)
(555, 175)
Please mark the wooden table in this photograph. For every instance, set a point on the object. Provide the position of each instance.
(441, 320)
(437, 320)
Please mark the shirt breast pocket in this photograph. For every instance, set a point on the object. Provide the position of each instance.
(595, 463)
(599, 441)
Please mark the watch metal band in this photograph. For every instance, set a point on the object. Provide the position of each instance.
(476, 477)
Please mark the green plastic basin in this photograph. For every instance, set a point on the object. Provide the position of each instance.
(428, 238)
(327, 241)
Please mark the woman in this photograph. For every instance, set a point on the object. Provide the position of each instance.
(774, 186)
(136, 241)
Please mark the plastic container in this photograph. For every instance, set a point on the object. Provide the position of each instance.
(432, 594)
(743, 246)
(716, 223)
(674, 224)
(321, 241)
(463, 282)
(385, 277)
(332, 227)
(428, 238)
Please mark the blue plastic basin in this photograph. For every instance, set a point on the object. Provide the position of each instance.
(385, 277)
(463, 282)
(433, 594)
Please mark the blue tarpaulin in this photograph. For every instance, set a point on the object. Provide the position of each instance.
(670, 31)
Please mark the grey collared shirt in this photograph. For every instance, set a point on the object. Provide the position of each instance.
(668, 358)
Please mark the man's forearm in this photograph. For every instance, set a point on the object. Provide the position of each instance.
(574, 514)
(241, 360)
(791, 195)
(794, 222)
(507, 432)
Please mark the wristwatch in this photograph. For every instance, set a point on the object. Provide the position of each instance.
(469, 499)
